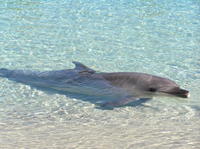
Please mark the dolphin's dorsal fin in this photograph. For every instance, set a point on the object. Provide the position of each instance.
(82, 68)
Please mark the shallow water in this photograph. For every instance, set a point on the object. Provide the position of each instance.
(157, 37)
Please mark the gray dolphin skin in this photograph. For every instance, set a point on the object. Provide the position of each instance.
(124, 87)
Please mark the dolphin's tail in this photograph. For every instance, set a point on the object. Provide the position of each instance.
(4, 72)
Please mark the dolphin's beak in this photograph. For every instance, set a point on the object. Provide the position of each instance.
(178, 92)
(182, 93)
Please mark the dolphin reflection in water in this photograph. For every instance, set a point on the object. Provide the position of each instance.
(123, 87)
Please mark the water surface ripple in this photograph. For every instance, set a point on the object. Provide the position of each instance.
(157, 37)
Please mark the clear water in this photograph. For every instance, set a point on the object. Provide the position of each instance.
(154, 36)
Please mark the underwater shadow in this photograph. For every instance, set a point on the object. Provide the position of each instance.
(97, 101)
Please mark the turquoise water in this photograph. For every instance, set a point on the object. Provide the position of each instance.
(154, 36)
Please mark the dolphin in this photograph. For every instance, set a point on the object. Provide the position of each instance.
(123, 87)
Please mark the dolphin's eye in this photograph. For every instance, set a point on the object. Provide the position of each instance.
(152, 89)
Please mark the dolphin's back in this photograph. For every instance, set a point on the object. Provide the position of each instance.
(36, 74)
(65, 80)
(127, 78)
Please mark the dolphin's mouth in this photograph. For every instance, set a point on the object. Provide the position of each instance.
(181, 93)
(178, 92)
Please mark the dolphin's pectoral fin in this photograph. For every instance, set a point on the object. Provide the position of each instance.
(119, 102)
(82, 68)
